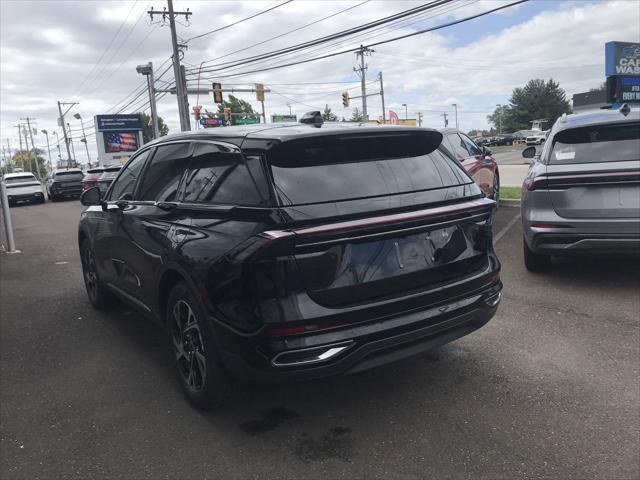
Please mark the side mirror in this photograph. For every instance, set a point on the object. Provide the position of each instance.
(529, 152)
(91, 197)
(486, 152)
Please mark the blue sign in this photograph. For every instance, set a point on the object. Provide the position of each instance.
(118, 123)
(622, 58)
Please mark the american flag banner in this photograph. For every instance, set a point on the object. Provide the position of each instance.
(121, 142)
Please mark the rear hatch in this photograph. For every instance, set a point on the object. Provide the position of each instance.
(377, 216)
(68, 179)
(594, 171)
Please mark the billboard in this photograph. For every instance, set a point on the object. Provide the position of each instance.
(118, 137)
(622, 58)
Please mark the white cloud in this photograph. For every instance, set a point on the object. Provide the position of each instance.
(41, 64)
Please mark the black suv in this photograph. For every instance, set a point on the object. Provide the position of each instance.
(64, 184)
(293, 252)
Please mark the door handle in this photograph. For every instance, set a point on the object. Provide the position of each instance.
(167, 206)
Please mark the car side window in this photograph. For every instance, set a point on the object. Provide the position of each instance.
(459, 150)
(123, 186)
(161, 178)
(218, 174)
(471, 147)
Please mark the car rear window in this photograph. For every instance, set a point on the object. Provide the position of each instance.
(344, 168)
(21, 179)
(601, 143)
(68, 174)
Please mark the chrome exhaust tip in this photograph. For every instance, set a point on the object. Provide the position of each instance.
(306, 356)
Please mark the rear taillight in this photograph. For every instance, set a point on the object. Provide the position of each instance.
(535, 183)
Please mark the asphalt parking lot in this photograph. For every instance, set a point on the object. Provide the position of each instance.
(548, 389)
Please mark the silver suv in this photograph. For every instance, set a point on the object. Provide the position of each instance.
(582, 193)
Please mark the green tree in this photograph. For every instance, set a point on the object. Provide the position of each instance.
(356, 116)
(537, 99)
(147, 128)
(24, 160)
(236, 105)
(328, 115)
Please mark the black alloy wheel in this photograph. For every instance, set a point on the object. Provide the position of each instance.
(98, 295)
(202, 377)
(188, 346)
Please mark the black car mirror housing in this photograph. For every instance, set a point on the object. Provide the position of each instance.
(91, 197)
(529, 152)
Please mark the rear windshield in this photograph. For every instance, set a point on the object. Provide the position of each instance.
(335, 169)
(602, 143)
(67, 174)
(21, 179)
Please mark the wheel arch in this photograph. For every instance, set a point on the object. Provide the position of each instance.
(170, 276)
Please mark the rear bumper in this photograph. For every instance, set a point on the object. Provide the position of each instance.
(23, 197)
(569, 243)
(367, 344)
(73, 191)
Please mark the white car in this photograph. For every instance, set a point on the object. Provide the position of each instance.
(22, 187)
(537, 139)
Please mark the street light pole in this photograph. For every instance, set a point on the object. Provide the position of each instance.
(406, 115)
(77, 116)
(58, 144)
(455, 106)
(499, 107)
(147, 71)
(46, 134)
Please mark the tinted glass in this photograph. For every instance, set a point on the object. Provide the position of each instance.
(162, 176)
(471, 147)
(459, 149)
(340, 169)
(21, 179)
(217, 174)
(602, 143)
(126, 182)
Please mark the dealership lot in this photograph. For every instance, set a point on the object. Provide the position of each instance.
(549, 388)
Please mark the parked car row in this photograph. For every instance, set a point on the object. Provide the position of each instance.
(59, 184)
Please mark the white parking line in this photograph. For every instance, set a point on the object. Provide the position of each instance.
(506, 228)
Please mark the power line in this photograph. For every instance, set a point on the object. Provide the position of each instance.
(262, 12)
(327, 38)
(289, 32)
(419, 32)
(108, 47)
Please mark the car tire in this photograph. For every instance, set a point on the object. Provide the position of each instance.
(496, 189)
(99, 296)
(200, 372)
(535, 262)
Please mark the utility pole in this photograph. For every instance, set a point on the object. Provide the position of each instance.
(183, 108)
(147, 71)
(384, 115)
(362, 70)
(33, 146)
(19, 126)
(61, 122)
(455, 105)
(26, 143)
(499, 107)
(73, 149)
(419, 118)
(446, 122)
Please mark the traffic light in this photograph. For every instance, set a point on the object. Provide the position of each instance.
(345, 99)
(217, 92)
(260, 92)
(227, 116)
(196, 112)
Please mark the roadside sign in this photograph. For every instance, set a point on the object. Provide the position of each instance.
(283, 118)
(247, 121)
(210, 122)
(393, 118)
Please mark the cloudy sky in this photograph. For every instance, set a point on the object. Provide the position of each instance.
(87, 51)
